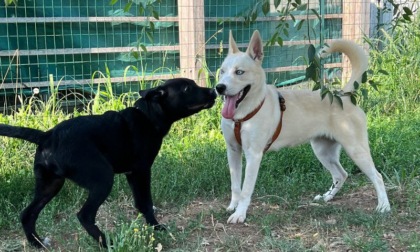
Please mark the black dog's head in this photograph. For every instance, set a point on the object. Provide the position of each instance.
(180, 97)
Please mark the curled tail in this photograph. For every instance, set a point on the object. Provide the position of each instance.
(31, 135)
(356, 55)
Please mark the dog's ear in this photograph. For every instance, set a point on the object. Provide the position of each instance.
(255, 49)
(153, 93)
(233, 48)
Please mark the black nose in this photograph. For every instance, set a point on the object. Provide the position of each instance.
(220, 88)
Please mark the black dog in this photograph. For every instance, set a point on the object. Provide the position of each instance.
(89, 150)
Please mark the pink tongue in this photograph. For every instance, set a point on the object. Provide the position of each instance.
(229, 108)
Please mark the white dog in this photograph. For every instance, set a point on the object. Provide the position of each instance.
(254, 113)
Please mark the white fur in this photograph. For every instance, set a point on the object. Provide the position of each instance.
(328, 127)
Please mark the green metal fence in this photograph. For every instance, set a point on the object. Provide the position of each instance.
(71, 40)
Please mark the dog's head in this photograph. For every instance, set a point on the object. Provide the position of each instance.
(241, 74)
(180, 97)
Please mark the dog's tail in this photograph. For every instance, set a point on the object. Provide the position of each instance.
(357, 56)
(32, 135)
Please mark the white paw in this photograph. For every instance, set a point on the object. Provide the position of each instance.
(326, 197)
(318, 197)
(383, 208)
(237, 218)
(231, 206)
(46, 242)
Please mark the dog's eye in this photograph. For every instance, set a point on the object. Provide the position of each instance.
(222, 71)
(239, 72)
(186, 89)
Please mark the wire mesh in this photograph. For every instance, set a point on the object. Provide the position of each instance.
(72, 39)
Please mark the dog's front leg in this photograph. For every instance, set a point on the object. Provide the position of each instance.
(253, 161)
(139, 182)
(235, 168)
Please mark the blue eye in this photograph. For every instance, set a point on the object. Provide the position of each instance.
(239, 72)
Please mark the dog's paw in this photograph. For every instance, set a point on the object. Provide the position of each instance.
(237, 218)
(47, 242)
(383, 209)
(160, 227)
(232, 206)
(326, 197)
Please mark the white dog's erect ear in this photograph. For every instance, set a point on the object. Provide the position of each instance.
(233, 48)
(255, 48)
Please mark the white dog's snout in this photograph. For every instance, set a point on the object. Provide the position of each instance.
(221, 88)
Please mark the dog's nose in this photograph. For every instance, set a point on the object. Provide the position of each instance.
(221, 88)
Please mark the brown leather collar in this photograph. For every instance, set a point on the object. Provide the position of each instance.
(238, 123)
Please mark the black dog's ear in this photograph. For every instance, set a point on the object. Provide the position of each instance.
(153, 93)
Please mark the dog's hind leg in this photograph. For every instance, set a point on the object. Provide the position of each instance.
(99, 186)
(47, 185)
(328, 153)
(235, 169)
(359, 152)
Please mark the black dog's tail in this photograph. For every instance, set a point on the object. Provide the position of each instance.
(32, 135)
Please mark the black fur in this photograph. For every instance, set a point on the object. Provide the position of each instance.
(89, 150)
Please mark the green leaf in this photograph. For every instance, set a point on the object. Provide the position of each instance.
(135, 55)
(143, 47)
(324, 93)
(155, 14)
(292, 17)
(374, 85)
(302, 7)
(141, 9)
(280, 41)
(353, 99)
(383, 72)
(316, 13)
(338, 99)
(152, 26)
(277, 3)
(298, 2)
(364, 77)
(406, 17)
(300, 24)
(286, 32)
(408, 11)
(364, 93)
(254, 16)
(127, 7)
(311, 72)
(113, 2)
(317, 86)
(311, 52)
(331, 97)
(265, 7)
(150, 36)
(356, 85)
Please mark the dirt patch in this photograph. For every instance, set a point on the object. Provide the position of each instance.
(205, 221)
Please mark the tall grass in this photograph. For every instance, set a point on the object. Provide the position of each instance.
(400, 58)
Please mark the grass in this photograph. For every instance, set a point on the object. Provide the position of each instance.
(191, 184)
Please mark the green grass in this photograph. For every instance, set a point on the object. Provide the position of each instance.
(191, 184)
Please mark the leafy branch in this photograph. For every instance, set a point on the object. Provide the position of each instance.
(145, 8)
(331, 89)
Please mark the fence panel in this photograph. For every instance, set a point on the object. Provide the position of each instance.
(71, 40)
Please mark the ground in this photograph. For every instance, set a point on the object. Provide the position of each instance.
(348, 223)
